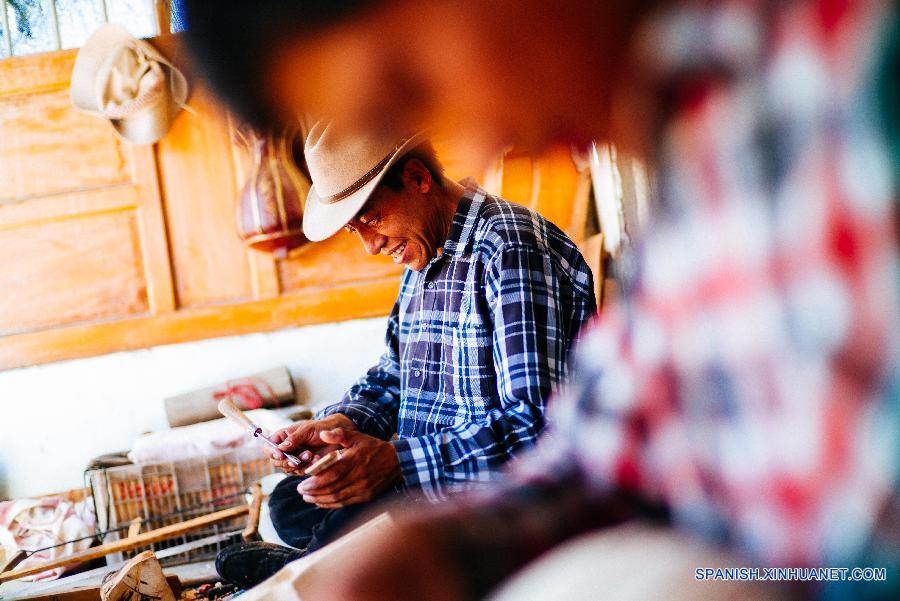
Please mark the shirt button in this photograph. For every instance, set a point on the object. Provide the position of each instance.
(431, 285)
(417, 373)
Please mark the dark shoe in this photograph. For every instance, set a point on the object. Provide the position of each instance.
(248, 564)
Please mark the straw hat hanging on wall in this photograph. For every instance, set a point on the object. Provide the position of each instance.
(125, 80)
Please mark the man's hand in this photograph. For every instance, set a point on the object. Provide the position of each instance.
(401, 563)
(303, 441)
(368, 466)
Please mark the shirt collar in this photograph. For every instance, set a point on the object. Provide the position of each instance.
(463, 225)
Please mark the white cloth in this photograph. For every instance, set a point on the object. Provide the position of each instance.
(31, 524)
(202, 440)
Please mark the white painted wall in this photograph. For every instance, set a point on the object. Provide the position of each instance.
(54, 418)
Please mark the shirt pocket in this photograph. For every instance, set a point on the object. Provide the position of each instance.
(469, 375)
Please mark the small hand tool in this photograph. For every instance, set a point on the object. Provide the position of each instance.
(233, 413)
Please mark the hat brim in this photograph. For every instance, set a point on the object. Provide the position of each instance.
(321, 220)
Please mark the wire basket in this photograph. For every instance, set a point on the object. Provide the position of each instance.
(168, 493)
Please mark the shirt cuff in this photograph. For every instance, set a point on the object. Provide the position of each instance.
(421, 466)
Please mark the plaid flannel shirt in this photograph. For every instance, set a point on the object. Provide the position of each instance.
(475, 343)
(750, 385)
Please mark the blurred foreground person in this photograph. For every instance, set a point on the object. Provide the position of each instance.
(749, 390)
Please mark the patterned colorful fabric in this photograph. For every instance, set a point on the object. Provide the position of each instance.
(43, 526)
(476, 342)
(750, 386)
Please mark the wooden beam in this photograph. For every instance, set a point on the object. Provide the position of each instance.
(59, 207)
(164, 16)
(53, 70)
(154, 237)
(304, 307)
(151, 536)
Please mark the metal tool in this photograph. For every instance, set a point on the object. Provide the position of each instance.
(233, 413)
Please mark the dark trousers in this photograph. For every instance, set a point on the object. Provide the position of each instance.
(306, 526)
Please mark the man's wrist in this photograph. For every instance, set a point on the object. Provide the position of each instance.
(397, 475)
(343, 421)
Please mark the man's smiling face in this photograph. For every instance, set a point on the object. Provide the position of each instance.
(403, 224)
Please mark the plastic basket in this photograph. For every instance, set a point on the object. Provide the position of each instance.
(168, 493)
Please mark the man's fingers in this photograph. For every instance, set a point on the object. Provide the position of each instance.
(304, 457)
(278, 436)
(345, 502)
(335, 477)
(361, 497)
(286, 467)
(293, 440)
(335, 491)
(340, 436)
(342, 497)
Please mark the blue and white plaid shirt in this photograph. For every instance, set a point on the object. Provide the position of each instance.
(475, 343)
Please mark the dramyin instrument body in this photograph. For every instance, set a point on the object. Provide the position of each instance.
(270, 206)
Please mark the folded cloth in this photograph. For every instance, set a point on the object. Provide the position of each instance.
(203, 439)
(31, 524)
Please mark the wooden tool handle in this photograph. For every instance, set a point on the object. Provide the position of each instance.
(231, 411)
(324, 463)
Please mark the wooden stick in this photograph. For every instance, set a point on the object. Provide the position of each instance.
(15, 560)
(151, 536)
(135, 527)
(253, 519)
(324, 463)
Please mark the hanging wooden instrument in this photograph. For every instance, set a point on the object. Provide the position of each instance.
(270, 206)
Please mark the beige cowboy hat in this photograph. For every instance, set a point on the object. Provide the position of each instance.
(345, 169)
(125, 80)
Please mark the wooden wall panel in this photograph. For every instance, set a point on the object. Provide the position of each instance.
(337, 261)
(458, 165)
(106, 246)
(47, 147)
(300, 308)
(550, 184)
(62, 206)
(30, 74)
(79, 269)
(81, 233)
(198, 184)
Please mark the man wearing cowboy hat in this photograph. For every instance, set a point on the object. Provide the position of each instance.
(489, 305)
